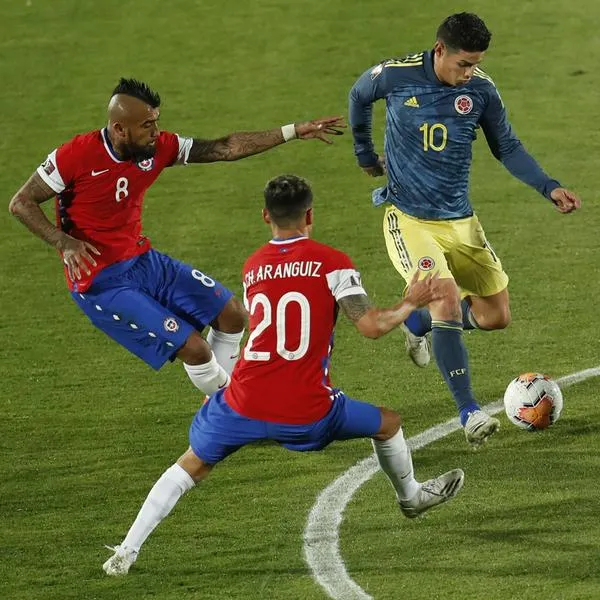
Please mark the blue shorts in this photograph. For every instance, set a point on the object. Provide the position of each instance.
(217, 430)
(151, 304)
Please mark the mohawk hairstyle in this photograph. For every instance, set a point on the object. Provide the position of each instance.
(137, 89)
(464, 31)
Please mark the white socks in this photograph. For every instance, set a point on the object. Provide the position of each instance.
(173, 483)
(214, 375)
(395, 461)
(226, 347)
(208, 377)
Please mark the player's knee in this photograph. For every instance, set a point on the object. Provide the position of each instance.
(447, 308)
(195, 351)
(233, 317)
(504, 319)
(499, 319)
(390, 424)
(194, 466)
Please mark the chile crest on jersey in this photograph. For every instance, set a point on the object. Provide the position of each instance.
(146, 164)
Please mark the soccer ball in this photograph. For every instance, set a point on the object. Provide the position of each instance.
(533, 401)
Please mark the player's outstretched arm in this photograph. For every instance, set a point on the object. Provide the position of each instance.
(246, 143)
(373, 322)
(507, 148)
(25, 205)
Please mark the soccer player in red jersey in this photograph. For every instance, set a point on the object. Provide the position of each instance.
(153, 305)
(280, 388)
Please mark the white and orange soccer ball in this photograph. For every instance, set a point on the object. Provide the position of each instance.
(533, 401)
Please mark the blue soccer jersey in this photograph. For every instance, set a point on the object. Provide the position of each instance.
(430, 129)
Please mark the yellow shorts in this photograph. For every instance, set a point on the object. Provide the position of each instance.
(455, 249)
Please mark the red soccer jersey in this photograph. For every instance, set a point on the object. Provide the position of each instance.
(99, 197)
(290, 290)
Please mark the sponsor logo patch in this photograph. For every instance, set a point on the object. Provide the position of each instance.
(48, 167)
(375, 71)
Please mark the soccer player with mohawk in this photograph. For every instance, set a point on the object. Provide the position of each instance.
(153, 305)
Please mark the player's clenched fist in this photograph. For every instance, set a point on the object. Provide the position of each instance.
(378, 169)
(565, 200)
(421, 293)
(76, 255)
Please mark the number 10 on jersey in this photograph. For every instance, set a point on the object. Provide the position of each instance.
(434, 136)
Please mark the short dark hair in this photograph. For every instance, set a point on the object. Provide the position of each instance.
(139, 90)
(287, 198)
(464, 31)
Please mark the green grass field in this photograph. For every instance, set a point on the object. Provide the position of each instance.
(86, 428)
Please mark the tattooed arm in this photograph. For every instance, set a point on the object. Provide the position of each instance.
(25, 205)
(246, 143)
(234, 146)
(373, 322)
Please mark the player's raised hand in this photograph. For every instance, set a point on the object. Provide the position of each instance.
(565, 200)
(376, 170)
(422, 292)
(76, 255)
(320, 129)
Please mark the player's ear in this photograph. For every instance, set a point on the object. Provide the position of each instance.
(439, 48)
(266, 216)
(118, 129)
(309, 216)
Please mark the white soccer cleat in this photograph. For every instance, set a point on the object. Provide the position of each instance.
(120, 562)
(479, 427)
(433, 493)
(417, 348)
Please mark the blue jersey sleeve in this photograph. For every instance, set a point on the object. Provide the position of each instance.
(368, 89)
(507, 147)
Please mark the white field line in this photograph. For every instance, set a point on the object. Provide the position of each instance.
(321, 535)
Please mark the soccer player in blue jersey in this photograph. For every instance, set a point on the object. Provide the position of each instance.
(435, 102)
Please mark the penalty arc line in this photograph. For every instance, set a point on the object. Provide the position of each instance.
(321, 534)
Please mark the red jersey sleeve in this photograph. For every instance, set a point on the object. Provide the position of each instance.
(175, 149)
(60, 167)
(342, 277)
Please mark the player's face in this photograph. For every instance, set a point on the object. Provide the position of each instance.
(142, 135)
(455, 68)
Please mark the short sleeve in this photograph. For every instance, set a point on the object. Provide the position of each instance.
(343, 279)
(176, 148)
(183, 153)
(58, 170)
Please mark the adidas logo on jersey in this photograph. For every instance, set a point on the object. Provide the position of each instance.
(413, 102)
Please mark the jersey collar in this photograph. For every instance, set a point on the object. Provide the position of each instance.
(108, 146)
(279, 242)
(428, 66)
